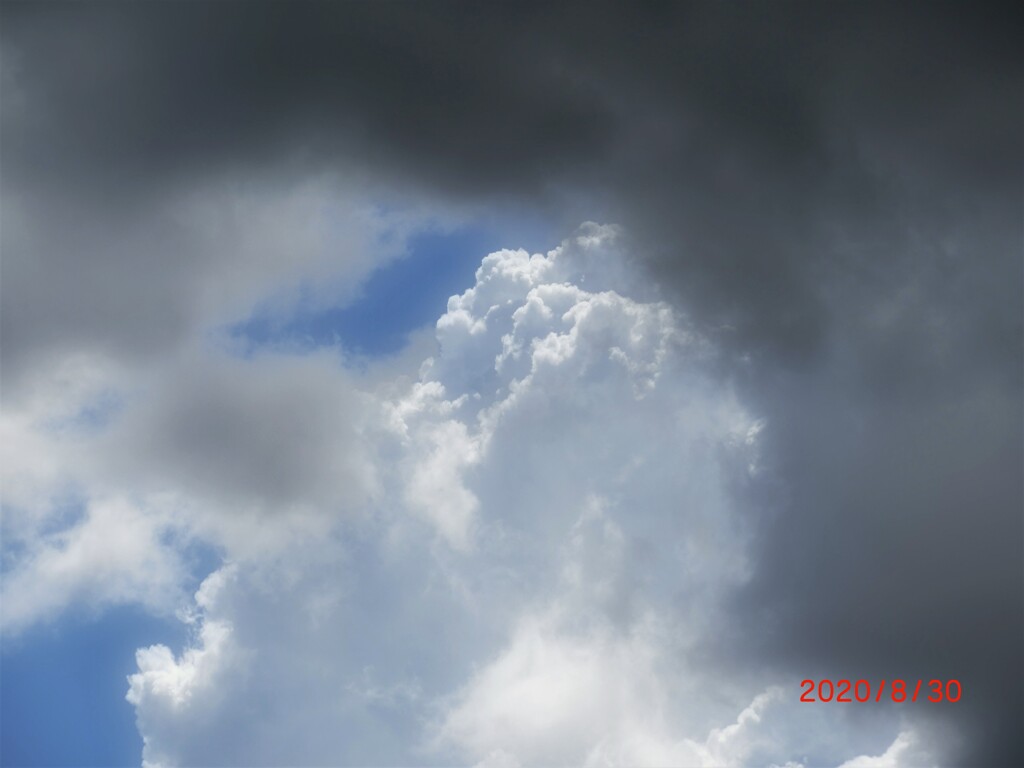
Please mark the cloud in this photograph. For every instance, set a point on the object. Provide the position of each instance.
(272, 434)
(833, 197)
(561, 699)
(123, 389)
(559, 615)
(137, 283)
(165, 687)
(101, 502)
(115, 554)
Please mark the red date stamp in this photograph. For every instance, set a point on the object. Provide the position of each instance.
(898, 691)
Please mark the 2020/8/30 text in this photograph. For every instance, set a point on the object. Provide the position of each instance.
(898, 691)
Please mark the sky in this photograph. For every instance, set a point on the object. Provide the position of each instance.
(510, 384)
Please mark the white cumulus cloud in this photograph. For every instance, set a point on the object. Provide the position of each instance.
(537, 571)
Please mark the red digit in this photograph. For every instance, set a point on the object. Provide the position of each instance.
(821, 695)
(936, 691)
(867, 690)
(843, 691)
(949, 696)
(899, 688)
(810, 689)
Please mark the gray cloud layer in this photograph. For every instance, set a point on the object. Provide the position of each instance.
(833, 192)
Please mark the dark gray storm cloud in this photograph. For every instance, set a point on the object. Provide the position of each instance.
(832, 191)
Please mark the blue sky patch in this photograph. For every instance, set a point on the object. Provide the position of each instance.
(400, 297)
(70, 678)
